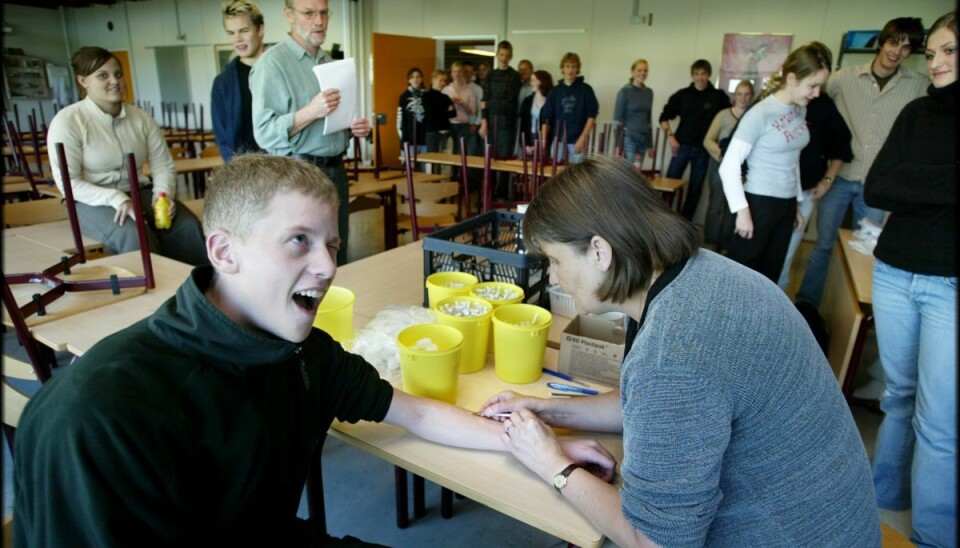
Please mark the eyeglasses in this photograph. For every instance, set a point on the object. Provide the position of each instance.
(310, 15)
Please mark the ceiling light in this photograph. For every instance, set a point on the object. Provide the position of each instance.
(486, 51)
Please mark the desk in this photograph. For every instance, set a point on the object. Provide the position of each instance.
(197, 168)
(495, 479)
(56, 235)
(79, 332)
(846, 308)
(509, 166)
(387, 191)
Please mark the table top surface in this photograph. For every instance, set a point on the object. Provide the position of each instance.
(56, 235)
(860, 267)
(514, 491)
(77, 333)
(190, 165)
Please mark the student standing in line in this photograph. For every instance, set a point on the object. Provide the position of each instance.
(820, 162)
(696, 105)
(164, 434)
(438, 110)
(570, 110)
(542, 83)
(769, 139)
(465, 103)
(290, 110)
(725, 442)
(231, 105)
(718, 225)
(525, 68)
(97, 132)
(869, 96)
(501, 90)
(633, 111)
(410, 112)
(915, 301)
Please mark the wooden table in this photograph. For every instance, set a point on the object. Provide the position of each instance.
(196, 168)
(79, 332)
(846, 307)
(492, 478)
(387, 192)
(56, 235)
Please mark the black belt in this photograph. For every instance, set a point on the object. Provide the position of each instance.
(320, 161)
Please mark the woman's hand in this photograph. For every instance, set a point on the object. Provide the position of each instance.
(172, 210)
(593, 456)
(534, 444)
(743, 226)
(798, 224)
(578, 146)
(124, 210)
(674, 144)
(508, 402)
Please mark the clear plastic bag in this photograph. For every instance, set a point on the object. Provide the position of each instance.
(377, 340)
(865, 237)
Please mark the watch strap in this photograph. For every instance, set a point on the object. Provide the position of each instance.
(566, 474)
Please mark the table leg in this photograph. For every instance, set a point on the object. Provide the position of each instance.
(855, 356)
(419, 507)
(446, 503)
(389, 200)
(400, 479)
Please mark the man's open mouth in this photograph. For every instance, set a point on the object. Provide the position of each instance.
(308, 299)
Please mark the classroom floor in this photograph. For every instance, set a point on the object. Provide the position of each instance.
(371, 516)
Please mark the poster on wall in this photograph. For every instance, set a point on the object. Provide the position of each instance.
(751, 56)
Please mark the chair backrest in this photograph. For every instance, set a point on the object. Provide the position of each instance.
(33, 212)
(422, 204)
(23, 167)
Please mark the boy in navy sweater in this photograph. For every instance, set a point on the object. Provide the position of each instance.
(570, 110)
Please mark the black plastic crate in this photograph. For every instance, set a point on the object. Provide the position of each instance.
(489, 246)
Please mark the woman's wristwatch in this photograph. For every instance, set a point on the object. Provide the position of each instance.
(828, 179)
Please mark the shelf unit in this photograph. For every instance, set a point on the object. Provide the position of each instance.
(25, 77)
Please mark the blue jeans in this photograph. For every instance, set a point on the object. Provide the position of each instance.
(698, 158)
(806, 209)
(632, 149)
(833, 206)
(572, 156)
(914, 462)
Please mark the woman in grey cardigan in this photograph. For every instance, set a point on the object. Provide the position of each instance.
(735, 431)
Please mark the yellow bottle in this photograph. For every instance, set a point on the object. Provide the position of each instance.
(161, 211)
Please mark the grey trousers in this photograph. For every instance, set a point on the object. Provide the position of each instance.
(183, 241)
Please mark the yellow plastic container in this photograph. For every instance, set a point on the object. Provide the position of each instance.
(430, 373)
(475, 330)
(501, 288)
(520, 339)
(335, 314)
(441, 285)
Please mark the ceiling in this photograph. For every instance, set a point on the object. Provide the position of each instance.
(54, 4)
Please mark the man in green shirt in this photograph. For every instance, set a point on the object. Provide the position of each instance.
(289, 108)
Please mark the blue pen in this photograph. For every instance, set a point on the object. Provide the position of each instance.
(575, 389)
(563, 376)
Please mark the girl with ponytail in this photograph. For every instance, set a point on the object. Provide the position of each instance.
(769, 139)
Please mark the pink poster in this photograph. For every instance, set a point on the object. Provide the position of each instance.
(752, 57)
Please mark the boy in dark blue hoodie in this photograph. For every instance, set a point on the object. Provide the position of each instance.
(571, 107)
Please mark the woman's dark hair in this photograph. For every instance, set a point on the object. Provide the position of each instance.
(87, 60)
(608, 197)
(546, 81)
(413, 70)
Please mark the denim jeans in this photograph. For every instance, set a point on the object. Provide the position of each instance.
(698, 158)
(833, 206)
(914, 462)
(573, 157)
(806, 209)
(632, 149)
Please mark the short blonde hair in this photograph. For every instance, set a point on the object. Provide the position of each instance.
(239, 192)
(237, 8)
(570, 57)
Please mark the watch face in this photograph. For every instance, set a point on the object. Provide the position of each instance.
(559, 481)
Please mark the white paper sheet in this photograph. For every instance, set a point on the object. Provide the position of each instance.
(341, 75)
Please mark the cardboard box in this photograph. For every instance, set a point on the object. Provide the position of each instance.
(592, 347)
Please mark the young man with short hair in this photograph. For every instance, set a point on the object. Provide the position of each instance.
(525, 68)
(196, 426)
(501, 90)
(570, 110)
(869, 97)
(696, 105)
(230, 99)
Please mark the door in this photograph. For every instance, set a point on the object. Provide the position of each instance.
(393, 56)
